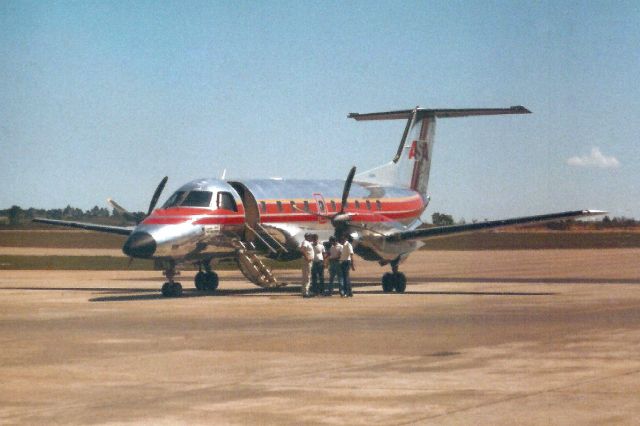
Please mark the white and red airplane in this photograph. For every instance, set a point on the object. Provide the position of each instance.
(211, 219)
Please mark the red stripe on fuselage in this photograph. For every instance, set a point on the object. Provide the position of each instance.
(391, 209)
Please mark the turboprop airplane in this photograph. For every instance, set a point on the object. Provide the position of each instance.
(207, 220)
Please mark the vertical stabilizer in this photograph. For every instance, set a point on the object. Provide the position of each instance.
(411, 166)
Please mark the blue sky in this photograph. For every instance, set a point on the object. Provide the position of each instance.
(102, 99)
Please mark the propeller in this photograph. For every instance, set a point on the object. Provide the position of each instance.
(347, 188)
(152, 205)
(156, 194)
(340, 219)
(124, 212)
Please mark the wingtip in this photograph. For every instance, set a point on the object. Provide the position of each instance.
(521, 109)
(594, 212)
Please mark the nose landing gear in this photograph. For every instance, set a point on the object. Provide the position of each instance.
(171, 288)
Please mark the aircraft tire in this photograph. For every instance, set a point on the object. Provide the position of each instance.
(171, 289)
(399, 282)
(388, 282)
(211, 281)
(166, 289)
(200, 281)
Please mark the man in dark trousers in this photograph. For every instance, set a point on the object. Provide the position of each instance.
(317, 269)
(346, 265)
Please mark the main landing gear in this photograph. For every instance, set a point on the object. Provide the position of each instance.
(206, 280)
(394, 280)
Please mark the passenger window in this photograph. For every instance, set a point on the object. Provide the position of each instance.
(321, 205)
(306, 206)
(357, 205)
(263, 207)
(279, 204)
(226, 201)
(293, 206)
(378, 205)
(333, 206)
(368, 205)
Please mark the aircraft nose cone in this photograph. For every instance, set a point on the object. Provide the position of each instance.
(139, 244)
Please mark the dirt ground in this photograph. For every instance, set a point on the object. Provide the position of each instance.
(480, 337)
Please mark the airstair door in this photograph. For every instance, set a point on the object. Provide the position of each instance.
(251, 211)
(321, 207)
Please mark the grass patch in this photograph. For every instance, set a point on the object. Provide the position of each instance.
(54, 238)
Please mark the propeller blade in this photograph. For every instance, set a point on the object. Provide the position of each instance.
(156, 194)
(122, 211)
(117, 206)
(347, 188)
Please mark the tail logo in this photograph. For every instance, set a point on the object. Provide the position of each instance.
(418, 152)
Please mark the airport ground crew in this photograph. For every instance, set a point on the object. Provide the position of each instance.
(335, 272)
(307, 260)
(317, 269)
(346, 264)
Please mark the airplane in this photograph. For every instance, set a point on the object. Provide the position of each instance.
(208, 220)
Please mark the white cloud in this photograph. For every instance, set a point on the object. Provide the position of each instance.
(594, 159)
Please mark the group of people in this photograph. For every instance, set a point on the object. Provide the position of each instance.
(337, 256)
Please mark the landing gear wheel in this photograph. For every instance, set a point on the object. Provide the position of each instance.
(387, 282)
(210, 281)
(171, 289)
(200, 281)
(400, 282)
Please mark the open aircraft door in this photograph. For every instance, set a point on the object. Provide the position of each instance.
(321, 207)
(251, 211)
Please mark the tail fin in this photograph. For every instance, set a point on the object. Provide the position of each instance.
(412, 163)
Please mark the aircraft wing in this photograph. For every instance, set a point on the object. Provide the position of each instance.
(444, 231)
(121, 230)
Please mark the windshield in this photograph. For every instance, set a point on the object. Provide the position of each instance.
(189, 199)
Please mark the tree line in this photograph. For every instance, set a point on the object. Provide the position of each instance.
(442, 219)
(15, 215)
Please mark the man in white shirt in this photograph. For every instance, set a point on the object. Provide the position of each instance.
(317, 269)
(307, 260)
(335, 249)
(346, 264)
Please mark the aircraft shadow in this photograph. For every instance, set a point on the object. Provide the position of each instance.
(110, 294)
(187, 293)
(533, 280)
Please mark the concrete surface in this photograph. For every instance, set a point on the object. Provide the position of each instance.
(522, 337)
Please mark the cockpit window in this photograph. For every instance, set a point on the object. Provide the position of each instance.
(189, 199)
(226, 201)
(197, 199)
(174, 200)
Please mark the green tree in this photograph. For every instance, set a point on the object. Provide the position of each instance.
(441, 219)
(15, 214)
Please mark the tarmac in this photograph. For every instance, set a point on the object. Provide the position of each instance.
(480, 337)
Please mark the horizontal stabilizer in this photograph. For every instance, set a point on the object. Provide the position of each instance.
(445, 231)
(121, 230)
(438, 113)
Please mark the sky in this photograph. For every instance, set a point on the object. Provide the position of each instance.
(102, 99)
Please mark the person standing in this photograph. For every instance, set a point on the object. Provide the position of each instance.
(307, 260)
(346, 264)
(317, 269)
(335, 272)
